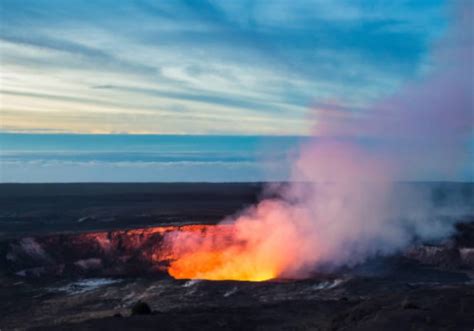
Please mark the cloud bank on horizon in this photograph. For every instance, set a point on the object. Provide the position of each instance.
(206, 67)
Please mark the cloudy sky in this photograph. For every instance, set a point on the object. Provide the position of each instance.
(206, 67)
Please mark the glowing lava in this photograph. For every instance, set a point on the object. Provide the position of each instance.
(257, 246)
(216, 253)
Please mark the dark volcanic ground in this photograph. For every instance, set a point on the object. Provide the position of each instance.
(27, 209)
(428, 287)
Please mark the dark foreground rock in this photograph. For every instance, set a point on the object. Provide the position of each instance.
(141, 308)
(449, 308)
(76, 257)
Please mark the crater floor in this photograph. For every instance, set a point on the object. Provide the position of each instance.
(58, 272)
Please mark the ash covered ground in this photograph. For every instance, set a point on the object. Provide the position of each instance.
(77, 256)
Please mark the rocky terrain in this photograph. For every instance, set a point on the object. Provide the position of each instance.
(102, 274)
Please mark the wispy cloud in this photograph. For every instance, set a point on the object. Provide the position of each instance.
(207, 66)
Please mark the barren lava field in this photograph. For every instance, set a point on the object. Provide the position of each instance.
(80, 257)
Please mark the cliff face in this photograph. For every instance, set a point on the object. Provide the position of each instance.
(112, 253)
(145, 251)
(442, 256)
(457, 252)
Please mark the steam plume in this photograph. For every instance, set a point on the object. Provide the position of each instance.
(342, 207)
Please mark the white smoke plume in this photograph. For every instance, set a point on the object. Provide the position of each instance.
(343, 205)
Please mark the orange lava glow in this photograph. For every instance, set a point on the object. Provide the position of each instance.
(262, 243)
(216, 253)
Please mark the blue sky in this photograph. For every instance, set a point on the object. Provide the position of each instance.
(143, 158)
(392, 74)
(205, 67)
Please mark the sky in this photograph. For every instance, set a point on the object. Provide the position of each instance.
(208, 90)
(49, 158)
(205, 67)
